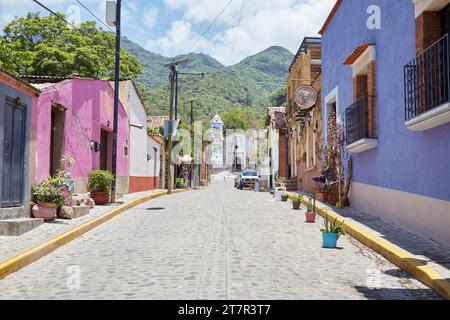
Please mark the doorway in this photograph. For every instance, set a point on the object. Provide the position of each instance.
(58, 120)
(13, 153)
(105, 150)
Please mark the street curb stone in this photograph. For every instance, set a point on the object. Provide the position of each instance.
(33, 254)
(399, 257)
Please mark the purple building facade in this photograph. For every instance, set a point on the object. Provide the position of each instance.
(385, 68)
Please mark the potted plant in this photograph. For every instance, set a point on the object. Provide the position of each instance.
(285, 197)
(99, 182)
(180, 183)
(296, 200)
(311, 210)
(50, 194)
(332, 232)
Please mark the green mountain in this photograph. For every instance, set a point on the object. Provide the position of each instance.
(247, 84)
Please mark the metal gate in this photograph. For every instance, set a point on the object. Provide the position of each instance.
(13, 153)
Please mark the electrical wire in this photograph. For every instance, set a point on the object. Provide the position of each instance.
(98, 19)
(233, 46)
(59, 17)
(210, 26)
(137, 19)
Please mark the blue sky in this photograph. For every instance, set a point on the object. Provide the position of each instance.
(172, 27)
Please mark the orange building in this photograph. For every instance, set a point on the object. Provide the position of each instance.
(304, 116)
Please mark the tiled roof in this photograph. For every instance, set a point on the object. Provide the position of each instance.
(20, 81)
(330, 16)
(271, 111)
(356, 53)
(158, 121)
(43, 79)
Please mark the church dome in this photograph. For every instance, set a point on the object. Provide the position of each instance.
(216, 120)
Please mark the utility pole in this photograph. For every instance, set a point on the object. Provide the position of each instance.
(193, 145)
(116, 23)
(173, 107)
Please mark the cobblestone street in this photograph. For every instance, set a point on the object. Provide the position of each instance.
(217, 243)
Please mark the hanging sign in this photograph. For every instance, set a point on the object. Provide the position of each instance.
(306, 97)
(280, 120)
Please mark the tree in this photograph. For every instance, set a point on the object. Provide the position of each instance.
(6, 56)
(241, 119)
(46, 46)
(278, 98)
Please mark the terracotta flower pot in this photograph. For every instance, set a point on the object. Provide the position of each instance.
(100, 198)
(296, 205)
(322, 196)
(310, 217)
(45, 210)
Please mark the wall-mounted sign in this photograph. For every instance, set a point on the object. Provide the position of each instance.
(306, 97)
(280, 120)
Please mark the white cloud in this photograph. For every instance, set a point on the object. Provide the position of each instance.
(265, 23)
(179, 39)
(150, 16)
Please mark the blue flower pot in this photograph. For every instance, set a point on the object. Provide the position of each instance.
(330, 240)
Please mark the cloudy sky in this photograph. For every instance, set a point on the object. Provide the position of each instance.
(172, 27)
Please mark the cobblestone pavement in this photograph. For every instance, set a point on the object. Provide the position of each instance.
(12, 246)
(217, 243)
(434, 254)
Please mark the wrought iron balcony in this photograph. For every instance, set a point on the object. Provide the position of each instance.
(427, 84)
(361, 124)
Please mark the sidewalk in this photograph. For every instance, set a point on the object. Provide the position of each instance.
(11, 246)
(429, 252)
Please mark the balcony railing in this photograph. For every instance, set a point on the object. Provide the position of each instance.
(360, 120)
(427, 84)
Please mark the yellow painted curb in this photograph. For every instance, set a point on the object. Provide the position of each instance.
(399, 257)
(33, 254)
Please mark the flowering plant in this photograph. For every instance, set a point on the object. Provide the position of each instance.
(52, 190)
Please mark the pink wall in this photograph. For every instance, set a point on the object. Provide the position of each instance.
(89, 105)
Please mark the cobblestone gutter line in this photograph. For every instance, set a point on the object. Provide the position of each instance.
(402, 259)
(35, 253)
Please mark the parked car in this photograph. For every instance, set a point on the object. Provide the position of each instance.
(247, 177)
(237, 181)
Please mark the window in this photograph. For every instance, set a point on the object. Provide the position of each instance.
(332, 106)
(427, 84)
(361, 116)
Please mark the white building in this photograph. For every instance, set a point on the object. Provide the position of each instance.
(217, 146)
(145, 151)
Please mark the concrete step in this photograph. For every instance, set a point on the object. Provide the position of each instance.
(12, 213)
(78, 212)
(17, 227)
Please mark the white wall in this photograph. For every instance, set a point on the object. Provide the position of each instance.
(154, 165)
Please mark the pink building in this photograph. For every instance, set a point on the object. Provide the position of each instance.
(74, 117)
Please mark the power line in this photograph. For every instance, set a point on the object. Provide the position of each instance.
(137, 19)
(244, 2)
(60, 17)
(98, 19)
(210, 25)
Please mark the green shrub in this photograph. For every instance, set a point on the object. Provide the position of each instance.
(295, 197)
(100, 180)
(333, 226)
(51, 190)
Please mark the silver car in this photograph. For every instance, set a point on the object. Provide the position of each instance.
(247, 177)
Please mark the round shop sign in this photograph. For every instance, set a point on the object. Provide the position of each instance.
(306, 97)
